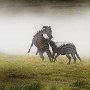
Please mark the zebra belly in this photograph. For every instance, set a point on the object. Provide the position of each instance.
(66, 49)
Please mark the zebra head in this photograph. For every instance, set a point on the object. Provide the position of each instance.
(47, 30)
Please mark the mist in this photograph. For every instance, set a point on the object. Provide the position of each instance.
(17, 27)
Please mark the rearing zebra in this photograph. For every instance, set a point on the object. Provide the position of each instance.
(64, 48)
(40, 42)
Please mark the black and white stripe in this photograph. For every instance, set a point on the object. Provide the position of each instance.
(64, 48)
(40, 42)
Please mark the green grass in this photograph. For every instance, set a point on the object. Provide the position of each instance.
(31, 73)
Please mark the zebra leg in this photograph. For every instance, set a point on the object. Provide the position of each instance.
(49, 54)
(53, 56)
(41, 55)
(56, 57)
(68, 56)
(73, 55)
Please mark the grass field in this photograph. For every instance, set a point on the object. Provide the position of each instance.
(31, 73)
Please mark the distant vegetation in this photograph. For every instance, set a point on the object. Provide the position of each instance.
(31, 73)
(48, 2)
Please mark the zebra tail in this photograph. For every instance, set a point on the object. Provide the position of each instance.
(30, 47)
(78, 56)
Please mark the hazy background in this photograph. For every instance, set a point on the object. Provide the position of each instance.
(19, 21)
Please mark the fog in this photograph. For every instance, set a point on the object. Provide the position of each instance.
(18, 27)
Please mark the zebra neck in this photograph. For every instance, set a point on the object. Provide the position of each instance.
(52, 44)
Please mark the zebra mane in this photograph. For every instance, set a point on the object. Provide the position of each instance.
(52, 43)
(38, 32)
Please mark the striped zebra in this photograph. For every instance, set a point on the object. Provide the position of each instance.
(64, 48)
(41, 43)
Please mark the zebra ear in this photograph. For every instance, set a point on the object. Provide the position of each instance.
(43, 26)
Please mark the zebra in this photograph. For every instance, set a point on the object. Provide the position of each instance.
(64, 48)
(41, 43)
